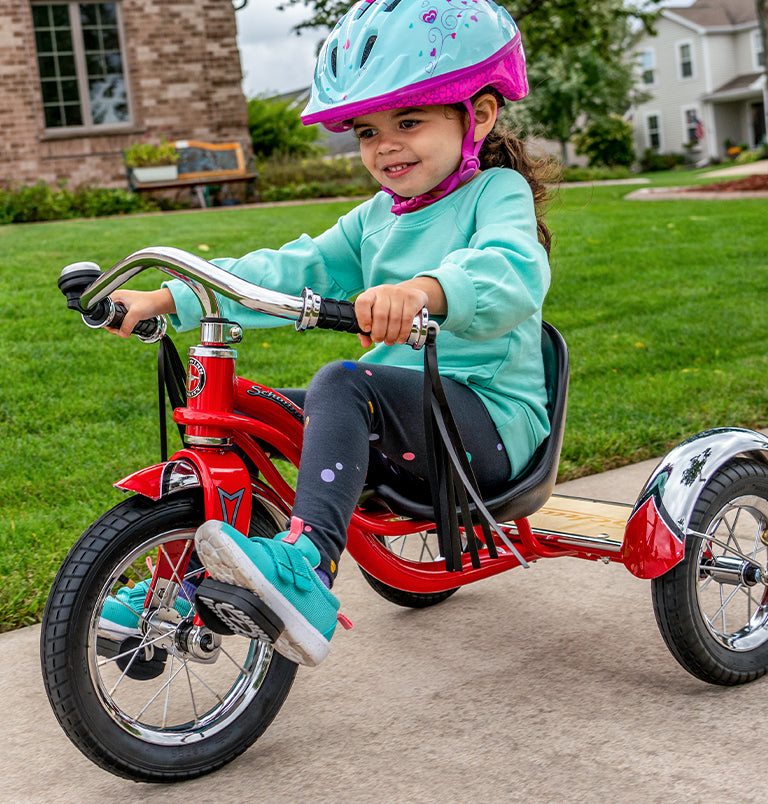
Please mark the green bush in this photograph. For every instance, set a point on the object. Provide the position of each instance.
(607, 141)
(284, 178)
(575, 173)
(745, 157)
(41, 202)
(276, 127)
(653, 161)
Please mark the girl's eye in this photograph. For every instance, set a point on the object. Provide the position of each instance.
(365, 133)
(409, 123)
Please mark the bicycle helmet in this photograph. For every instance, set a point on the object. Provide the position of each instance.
(390, 54)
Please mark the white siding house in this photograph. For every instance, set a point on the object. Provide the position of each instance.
(705, 71)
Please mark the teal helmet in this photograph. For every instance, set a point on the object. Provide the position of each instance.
(388, 54)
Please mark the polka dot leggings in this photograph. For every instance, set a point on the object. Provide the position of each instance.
(365, 420)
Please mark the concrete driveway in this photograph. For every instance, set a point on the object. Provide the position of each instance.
(544, 685)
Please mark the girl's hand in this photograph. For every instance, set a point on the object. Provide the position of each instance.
(386, 312)
(140, 305)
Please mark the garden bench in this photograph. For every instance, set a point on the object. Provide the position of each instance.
(200, 165)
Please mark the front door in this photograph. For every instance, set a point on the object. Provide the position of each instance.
(757, 113)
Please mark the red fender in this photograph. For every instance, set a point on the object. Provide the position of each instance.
(651, 546)
(223, 477)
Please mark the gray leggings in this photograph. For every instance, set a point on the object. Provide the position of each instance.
(365, 421)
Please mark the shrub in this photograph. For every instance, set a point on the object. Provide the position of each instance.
(745, 157)
(284, 178)
(575, 173)
(40, 202)
(276, 127)
(652, 161)
(607, 141)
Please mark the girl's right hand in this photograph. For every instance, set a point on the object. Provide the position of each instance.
(140, 305)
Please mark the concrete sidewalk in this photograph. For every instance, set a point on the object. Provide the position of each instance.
(550, 684)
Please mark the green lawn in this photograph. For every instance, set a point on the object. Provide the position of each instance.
(661, 302)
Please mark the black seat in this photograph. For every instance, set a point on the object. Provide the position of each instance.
(534, 485)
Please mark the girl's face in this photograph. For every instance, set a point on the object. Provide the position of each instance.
(412, 150)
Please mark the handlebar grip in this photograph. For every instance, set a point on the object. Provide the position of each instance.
(338, 315)
(110, 314)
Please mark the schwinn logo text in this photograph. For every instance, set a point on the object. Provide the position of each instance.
(286, 404)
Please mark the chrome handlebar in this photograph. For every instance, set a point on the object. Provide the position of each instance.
(203, 278)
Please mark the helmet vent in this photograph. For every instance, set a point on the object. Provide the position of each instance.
(367, 49)
(334, 54)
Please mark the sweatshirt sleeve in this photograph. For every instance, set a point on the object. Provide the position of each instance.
(502, 277)
(329, 264)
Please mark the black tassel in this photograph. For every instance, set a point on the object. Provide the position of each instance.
(451, 477)
(171, 379)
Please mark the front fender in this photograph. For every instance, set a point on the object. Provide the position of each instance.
(223, 477)
(654, 538)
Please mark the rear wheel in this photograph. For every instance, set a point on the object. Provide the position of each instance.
(156, 698)
(420, 546)
(712, 608)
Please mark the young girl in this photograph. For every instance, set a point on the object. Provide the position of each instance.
(455, 230)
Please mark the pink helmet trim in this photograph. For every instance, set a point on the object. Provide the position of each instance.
(504, 70)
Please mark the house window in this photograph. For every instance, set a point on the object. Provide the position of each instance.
(693, 129)
(758, 51)
(653, 131)
(81, 64)
(685, 60)
(648, 67)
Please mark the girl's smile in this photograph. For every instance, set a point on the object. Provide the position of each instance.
(410, 151)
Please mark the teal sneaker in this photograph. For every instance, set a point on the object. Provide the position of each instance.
(280, 571)
(120, 615)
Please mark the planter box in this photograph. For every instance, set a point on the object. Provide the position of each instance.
(157, 173)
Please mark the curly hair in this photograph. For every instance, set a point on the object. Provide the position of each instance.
(503, 149)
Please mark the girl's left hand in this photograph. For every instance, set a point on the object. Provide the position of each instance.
(385, 313)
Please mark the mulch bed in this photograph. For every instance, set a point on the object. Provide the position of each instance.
(747, 184)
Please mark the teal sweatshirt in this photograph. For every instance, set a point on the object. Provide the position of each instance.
(479, 242)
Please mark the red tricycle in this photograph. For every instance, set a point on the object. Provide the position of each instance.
(167, 698)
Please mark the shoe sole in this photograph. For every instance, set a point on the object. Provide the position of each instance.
(115, 631)
(300, 642)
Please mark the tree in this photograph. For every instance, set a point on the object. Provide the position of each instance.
(545, 24)
(276, 127)
(574, 86)
(608, 141)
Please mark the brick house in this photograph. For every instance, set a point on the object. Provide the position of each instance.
(705, 72)
(81, 81)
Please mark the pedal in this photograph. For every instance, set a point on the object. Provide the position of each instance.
(228, 609)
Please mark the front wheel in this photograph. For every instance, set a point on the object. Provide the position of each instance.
(712, 608)
(144, 692)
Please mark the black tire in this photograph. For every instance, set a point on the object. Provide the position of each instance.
(712, 608)
(420, 547)
(131, 716)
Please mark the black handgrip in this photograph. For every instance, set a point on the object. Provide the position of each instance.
(338, 315)
(146, 329)
(111, 314)
(73, 282)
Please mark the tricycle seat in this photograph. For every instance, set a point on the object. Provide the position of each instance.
(527, 492)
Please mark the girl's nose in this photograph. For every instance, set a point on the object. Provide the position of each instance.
(388, 142)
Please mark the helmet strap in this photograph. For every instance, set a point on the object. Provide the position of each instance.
(469, 165)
